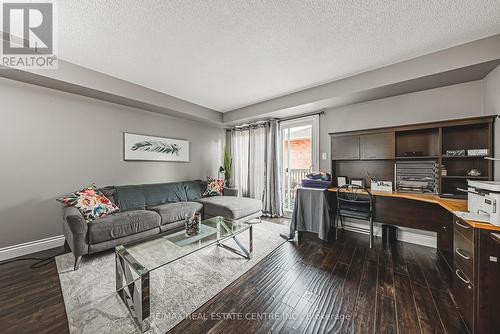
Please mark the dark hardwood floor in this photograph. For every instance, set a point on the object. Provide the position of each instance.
(31, 299)
(343, 287)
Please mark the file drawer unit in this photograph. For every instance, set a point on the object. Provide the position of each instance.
(463, 267)
(476, 279)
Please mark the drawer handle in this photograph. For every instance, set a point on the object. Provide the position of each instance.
(465, 280)
(462, 225)
(460, 252)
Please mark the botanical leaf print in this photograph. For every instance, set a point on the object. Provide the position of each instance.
(156, 146)
(214, 187)
(91, 203)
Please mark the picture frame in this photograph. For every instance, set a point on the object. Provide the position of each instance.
(342, 180)
(137, 147)
(358, 182)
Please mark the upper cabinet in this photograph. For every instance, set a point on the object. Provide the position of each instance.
(345, 148)
(365, 147)
(377, 146)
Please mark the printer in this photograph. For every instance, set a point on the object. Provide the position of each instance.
(483, 202)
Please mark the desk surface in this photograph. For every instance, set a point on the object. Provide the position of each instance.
(451, 205)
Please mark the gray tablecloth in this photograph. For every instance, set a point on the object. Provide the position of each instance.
(311, 213)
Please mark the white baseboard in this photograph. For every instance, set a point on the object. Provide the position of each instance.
(406, 235)
(30, 247)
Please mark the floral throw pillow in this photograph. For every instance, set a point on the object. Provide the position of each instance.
(91, 203)
(214, 187)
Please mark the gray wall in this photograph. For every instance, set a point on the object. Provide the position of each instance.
(457, 101)
(55, 142)
(491, 88)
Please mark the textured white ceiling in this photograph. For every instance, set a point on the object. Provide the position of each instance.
(228, 54)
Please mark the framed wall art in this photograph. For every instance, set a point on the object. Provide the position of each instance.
(149, 148)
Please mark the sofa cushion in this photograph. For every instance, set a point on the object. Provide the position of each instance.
(134, 197)
(214, 187)
(122, 224)
(109, 192)
(91, 203)
(174, 212)
(160, 193)
(130, 197)
(230, 207)
(194, 189)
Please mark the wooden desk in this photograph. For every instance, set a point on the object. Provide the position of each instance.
(470, 249)
(450, 205)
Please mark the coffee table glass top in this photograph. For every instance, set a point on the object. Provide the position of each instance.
(152, 253)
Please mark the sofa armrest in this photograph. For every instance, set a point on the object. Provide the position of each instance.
(75, 230)
(230, 192)
(75, 220)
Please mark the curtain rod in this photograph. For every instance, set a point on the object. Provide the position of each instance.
(244, 126)
(320, 112)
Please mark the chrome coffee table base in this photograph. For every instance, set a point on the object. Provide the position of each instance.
(134, 288)
(243, 251)
(134, 292)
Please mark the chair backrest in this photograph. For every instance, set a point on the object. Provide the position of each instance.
(350, 195)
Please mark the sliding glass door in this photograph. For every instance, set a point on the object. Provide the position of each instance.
(299, 153)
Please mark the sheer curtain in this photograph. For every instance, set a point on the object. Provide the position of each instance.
(248, 149)
(240, 141)
(256, 164)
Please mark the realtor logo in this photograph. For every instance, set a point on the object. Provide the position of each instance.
(28, 35)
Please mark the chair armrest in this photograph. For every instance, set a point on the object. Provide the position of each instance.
(230, 192)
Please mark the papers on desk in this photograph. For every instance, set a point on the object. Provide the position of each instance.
(472, 216)
(381, 186)
(320, 184)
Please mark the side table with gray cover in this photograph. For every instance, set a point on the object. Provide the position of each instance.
(311, 212)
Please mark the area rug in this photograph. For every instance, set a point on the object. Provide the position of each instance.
(177, 289)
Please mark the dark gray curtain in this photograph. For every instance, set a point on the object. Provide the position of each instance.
(272, 189)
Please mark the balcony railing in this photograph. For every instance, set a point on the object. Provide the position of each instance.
(292, 179)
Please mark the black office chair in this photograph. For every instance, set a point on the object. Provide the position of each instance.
(356, 202)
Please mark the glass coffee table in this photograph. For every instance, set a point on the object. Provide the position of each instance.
(136, 260)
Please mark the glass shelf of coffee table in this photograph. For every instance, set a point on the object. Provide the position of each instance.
(136, 260)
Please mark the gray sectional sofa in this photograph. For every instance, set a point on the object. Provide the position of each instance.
(149, 209)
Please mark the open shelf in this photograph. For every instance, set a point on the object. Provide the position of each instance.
(377, 169)
(464, 177)
(462, 167)
(465, 137)
(425, 141)
(418, 157)
(464, 157)
(450, 185)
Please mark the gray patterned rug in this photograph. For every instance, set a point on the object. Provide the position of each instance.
(177, 289)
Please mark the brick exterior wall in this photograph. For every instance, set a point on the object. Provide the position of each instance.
(300, 153)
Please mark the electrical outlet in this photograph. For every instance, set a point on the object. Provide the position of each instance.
(323, 156)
